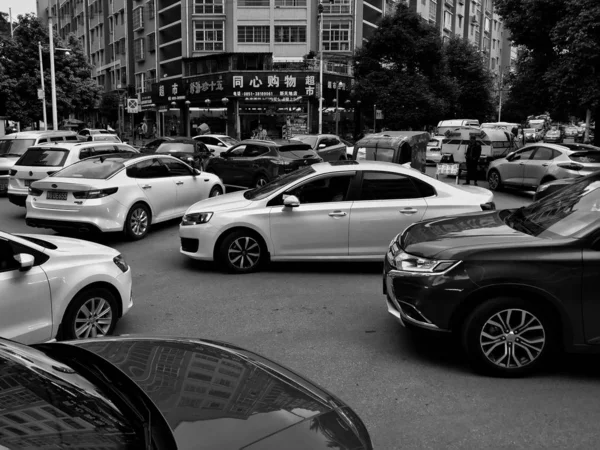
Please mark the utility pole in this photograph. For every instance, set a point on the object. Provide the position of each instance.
(12, 33)
(374, 118)
(43, 90)
(501, 91)
(320, 11)
(337, 100)
(52, 71)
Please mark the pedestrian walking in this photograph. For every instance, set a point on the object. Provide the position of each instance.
(472, 154)
(154, 131)
(144, 130)
(260, 133)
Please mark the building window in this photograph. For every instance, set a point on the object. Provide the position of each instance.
(139, 82)
(336, 36)
(254, 2)
(433, 10)
(460, 19)
(290, 3)
(138, 18)
(208, 36)
(151, 44)
(208, 6)
(122, 46)
(448, 20)
(488, 25)
(337, 7)
(150, 9)
(493, 44)
(111, 26)
(253, 34)
(139, 50)
(290, 34)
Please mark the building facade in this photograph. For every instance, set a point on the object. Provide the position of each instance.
(229, 63)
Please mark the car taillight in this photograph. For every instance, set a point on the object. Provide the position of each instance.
(570, 166)
(35, 192)
(96, 193)
(13, 172)
(489, 206)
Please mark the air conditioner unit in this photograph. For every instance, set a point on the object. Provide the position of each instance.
(473, 18)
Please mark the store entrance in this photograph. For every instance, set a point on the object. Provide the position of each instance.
(279, 121)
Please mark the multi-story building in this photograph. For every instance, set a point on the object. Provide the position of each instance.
(230, 63)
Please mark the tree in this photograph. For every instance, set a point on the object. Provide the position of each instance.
(562, 42)
(473, 80)
(4, 25)
(416, 80)
(20, 73)
(109, 106)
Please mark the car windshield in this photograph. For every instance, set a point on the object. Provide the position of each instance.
(175, 147)
(15, 147)
(229, 141)
(570, 213)
(93, 168)
(586, 157)
(48, 404)
(294, 148)
(277, 183)
(310, 140)
(43, 157)
(433, 143)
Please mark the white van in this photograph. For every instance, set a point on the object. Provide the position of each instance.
(445, 125)
(40, 161)
(507, 126)
(12, 147)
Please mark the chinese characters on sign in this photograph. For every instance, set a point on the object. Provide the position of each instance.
(198, 87)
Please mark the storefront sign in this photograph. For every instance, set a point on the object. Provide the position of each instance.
(146, 101)
(167, 91)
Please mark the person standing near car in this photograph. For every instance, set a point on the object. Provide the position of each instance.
(472, 155)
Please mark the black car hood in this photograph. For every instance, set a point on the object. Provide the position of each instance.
(444, 237)
(215, 395)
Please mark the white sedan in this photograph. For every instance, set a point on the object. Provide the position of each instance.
(217, 142)
(56, 287)
(334, 211)
(126, 192)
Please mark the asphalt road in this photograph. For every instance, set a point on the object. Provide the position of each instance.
(329, 322)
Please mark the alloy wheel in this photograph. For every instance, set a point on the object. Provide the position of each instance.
(93, 319)
(494, 180)
(138, 221)
(512, 338)
(244, 253)
(215, 192)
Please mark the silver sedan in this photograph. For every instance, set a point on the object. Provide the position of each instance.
(536, 164)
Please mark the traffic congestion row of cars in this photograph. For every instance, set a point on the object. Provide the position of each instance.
(513, 285)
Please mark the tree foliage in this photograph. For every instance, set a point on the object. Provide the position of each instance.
(20, 73)
(416, 80)
(561, 56)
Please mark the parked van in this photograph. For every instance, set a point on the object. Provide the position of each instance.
(408, 148)
(446, 125)
(12, 147)
(40, 161)
(507, 126)
(494, 144)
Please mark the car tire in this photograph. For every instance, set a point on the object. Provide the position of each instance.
(260, 181)
(216, 191)
(241, 252)
(521, 348)
(137, 222)
(92, 313)
(546, 180)
(494, 180)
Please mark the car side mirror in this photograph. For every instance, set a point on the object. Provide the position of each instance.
(212, 150)
(322, 145)
(224, 155)
(25, 261)
(197, 172)
(220, 144)
(291, 201)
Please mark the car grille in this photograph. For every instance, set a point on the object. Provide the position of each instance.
(190, 245)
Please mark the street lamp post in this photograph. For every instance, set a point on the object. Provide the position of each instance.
(43, 89)
(337, 99)
(501, 91)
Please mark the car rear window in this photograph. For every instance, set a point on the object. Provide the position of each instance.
(585, 157)
(310, 140)
(43, 157)
(174, 147)
(94, 168)
(15, 146)
(229, 141)
(381, 154)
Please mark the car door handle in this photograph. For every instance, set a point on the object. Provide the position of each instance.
(521, 164)
(337, 214)
(179, 183)
(409, 211)
(146, 186)
(544, 165)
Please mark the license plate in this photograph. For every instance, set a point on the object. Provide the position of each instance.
(57, 195)
(27, 182)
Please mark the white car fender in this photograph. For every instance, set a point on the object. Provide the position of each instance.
(69, 286)
(253, 227)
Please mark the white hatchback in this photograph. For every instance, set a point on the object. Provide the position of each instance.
(335, 211)
(40, 161)
(60, 288)
(217, 142)
(126, 192)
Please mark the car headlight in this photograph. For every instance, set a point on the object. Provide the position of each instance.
(401, 260)
(120, 262)
(196, 218)
(279, 162)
